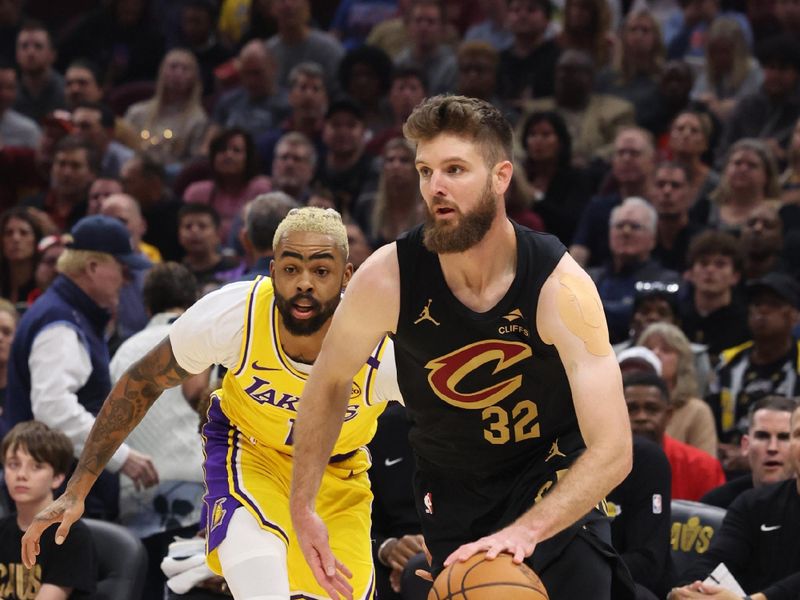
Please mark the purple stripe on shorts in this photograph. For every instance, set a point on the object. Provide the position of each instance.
(219, 503)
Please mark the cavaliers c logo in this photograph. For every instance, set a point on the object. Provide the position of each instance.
(447, 371)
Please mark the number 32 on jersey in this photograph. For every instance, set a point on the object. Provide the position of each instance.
(501, 425)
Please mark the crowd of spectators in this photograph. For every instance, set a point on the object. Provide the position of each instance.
(659, 140)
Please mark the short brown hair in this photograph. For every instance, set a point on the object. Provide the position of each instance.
(716, 242)
(42, 443)
(463, 117)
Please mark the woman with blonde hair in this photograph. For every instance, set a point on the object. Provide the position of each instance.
(749, 180)
(172, 123)
(638, 63)
(397, 204)
(729, 70)
(692, 421)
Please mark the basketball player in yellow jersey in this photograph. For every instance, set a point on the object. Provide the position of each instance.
(267, 333)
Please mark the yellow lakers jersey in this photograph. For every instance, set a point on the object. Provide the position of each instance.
(261, 395)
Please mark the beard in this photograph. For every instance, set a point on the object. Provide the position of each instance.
(448, 238)
(305, 327)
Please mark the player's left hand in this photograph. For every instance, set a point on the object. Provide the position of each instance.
(517, 540)
(330, 573)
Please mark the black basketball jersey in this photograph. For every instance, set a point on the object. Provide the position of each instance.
(486, 395)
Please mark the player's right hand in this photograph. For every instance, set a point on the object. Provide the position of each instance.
(66, 509)
(330, 573)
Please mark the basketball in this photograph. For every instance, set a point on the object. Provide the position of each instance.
(481, 579)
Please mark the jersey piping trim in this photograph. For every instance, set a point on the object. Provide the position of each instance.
(244, 353)
(285, 361)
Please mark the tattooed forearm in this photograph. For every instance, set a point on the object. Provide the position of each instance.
(127, 403)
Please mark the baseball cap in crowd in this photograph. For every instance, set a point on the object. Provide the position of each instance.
(639, 358)
(100, 233)
(781, 284)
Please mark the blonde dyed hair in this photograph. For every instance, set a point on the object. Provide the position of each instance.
(73, 262)
(685, 374)
(729, 29)
(312, 219)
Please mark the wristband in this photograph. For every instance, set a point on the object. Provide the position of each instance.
(381, 548)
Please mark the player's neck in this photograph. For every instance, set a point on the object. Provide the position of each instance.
(481, 276)
(301, 348)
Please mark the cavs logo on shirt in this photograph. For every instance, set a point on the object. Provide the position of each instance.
(447, 372)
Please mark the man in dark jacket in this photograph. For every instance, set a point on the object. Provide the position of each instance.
(58, 370)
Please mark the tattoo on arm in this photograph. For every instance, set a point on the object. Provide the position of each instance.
(580, 310)
(127, 403)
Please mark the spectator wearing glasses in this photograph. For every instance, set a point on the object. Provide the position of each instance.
(671, 197)
(632, 167)
(632, 236)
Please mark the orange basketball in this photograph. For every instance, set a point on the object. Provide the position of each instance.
(481, 579)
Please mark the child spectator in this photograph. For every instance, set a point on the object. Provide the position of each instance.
(36, 459)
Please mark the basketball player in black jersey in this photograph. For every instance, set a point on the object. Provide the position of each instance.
(519, 423)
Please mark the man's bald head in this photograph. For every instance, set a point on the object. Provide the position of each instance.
(257, 69)
(125, 208)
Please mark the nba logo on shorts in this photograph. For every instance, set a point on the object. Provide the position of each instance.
(428, 502)
(656, 504)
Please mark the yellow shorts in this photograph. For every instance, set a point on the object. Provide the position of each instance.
(240, 472)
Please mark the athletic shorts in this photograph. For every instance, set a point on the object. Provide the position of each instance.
(454, 511)
(241, 472)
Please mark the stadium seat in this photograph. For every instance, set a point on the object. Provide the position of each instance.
(121, 561)
(693, 526)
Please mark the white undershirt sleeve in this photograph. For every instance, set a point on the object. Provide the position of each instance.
(386, 386)
(54, 391)
(210, 332)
